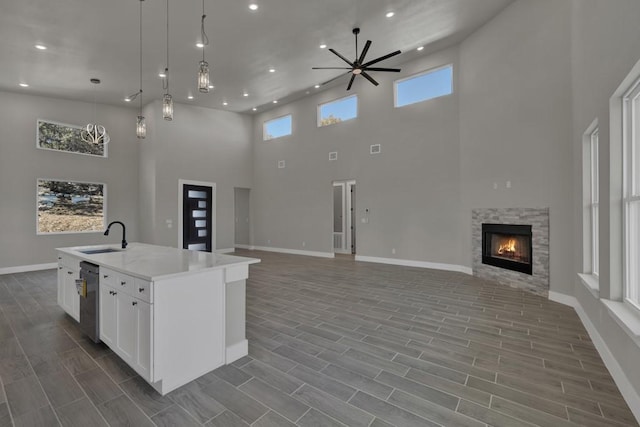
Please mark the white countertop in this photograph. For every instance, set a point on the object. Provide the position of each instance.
(151, 262)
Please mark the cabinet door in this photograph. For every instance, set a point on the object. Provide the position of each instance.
(71, 299)
(108, 319)
(144, 346)
(126, 327)
(61, 274)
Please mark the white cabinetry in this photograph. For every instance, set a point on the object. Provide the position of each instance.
(126, 321)
(68, 272)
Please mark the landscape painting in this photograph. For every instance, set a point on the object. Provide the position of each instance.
(64, 137)
(70, 207)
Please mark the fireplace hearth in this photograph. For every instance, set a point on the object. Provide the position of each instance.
(507, 246)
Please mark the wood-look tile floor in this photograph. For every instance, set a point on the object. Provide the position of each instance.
(332, 342)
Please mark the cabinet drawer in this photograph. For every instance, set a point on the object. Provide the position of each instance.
(119, 281)
(68, 261)
(143, 290)
(108, 277)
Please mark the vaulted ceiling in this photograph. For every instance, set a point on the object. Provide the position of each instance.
(100, 38)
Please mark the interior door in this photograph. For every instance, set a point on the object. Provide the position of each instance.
(197, 215)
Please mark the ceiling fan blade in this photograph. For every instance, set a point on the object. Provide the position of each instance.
(395, 70)
(335, 78)
(353, 76)
(382, 58)
(364, 51)
(341, 57)
(368, 77)
(331, 68)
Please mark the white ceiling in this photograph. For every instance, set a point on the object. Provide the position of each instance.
(99, 38)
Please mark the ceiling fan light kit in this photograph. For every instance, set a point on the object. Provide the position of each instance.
(358, 67)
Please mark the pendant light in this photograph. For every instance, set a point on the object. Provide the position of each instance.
(167, 99)
(141, 125)
(203, 71)
(95, 133)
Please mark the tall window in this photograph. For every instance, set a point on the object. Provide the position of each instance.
(424, 86)
(631, 194)
(591, 201)
(277, 128)
(338, 111)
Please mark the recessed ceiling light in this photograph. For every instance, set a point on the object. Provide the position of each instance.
(24, 85)
(211, 86)
(254, 109)
(127, 99)
(162, 75)
(317, 86)
(272, 70)
(190, 97)
(275, 101)
(420, 48)
(225, 103)
(245, 94)
(253, 6)
(323, 46)
(199, 45)
(389, 14)
(40, 47)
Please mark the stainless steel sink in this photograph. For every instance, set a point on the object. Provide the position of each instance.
(99, 251)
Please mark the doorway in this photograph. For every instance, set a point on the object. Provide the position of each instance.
(242, 218)
(344, 224)
(196, 215)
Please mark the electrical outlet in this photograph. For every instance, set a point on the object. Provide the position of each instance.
(508, 184)
(268, 241)
(169, 223)
(495, 185)
(393, 251)
(304, 244)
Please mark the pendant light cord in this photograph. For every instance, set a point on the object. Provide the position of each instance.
(204, 38)
(165, 83)
(140, 93)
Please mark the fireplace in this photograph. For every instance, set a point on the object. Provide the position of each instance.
(507, 246)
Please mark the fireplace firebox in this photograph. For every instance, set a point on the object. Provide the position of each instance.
(507, 246)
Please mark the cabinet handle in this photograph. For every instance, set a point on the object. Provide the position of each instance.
(123, 283)
(59, 268)
(104, 276)
(140, 289)
(59, 257)
(69, 272)
(134, 303)
(113, 293)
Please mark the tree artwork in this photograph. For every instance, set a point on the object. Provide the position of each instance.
(68, 206)
(61, 137)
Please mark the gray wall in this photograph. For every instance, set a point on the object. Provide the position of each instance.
(411, 188)
(200, 144)
(21, 164)
(515, 123)
(605, 46)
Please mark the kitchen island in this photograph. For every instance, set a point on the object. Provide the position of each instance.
(171, 314)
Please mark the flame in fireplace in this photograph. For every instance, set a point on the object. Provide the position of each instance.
(508, 248)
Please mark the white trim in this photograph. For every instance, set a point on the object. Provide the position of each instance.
(224, 250)
(627, 390)
(590, 281)
(626, 317)
(236, 351)
(414, 263)
(249, 247)
(27, 268)
(293, 251)
(181, 183)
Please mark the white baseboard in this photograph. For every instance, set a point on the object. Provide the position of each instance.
(27, 268)
(413, 263)
(294, 251)
(249, 247)
(627, 390)
(236, 351)
(225, 250)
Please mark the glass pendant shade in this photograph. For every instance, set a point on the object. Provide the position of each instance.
(141, 127)
(203, 77)
(167, 107)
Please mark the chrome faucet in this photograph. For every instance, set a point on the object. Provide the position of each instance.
(124, 232)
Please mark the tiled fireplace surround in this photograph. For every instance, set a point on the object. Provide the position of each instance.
(538, 218)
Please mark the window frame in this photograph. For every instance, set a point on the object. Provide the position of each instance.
(631, 192)
(343, 98)
(50, 233)
(105, 147)
(418, 75)
(264, 127)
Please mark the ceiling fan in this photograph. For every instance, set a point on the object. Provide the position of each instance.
(358, 66)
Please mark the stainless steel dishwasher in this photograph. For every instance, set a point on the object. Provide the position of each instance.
(89, 291)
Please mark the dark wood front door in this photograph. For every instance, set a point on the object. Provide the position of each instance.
(197, 217)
